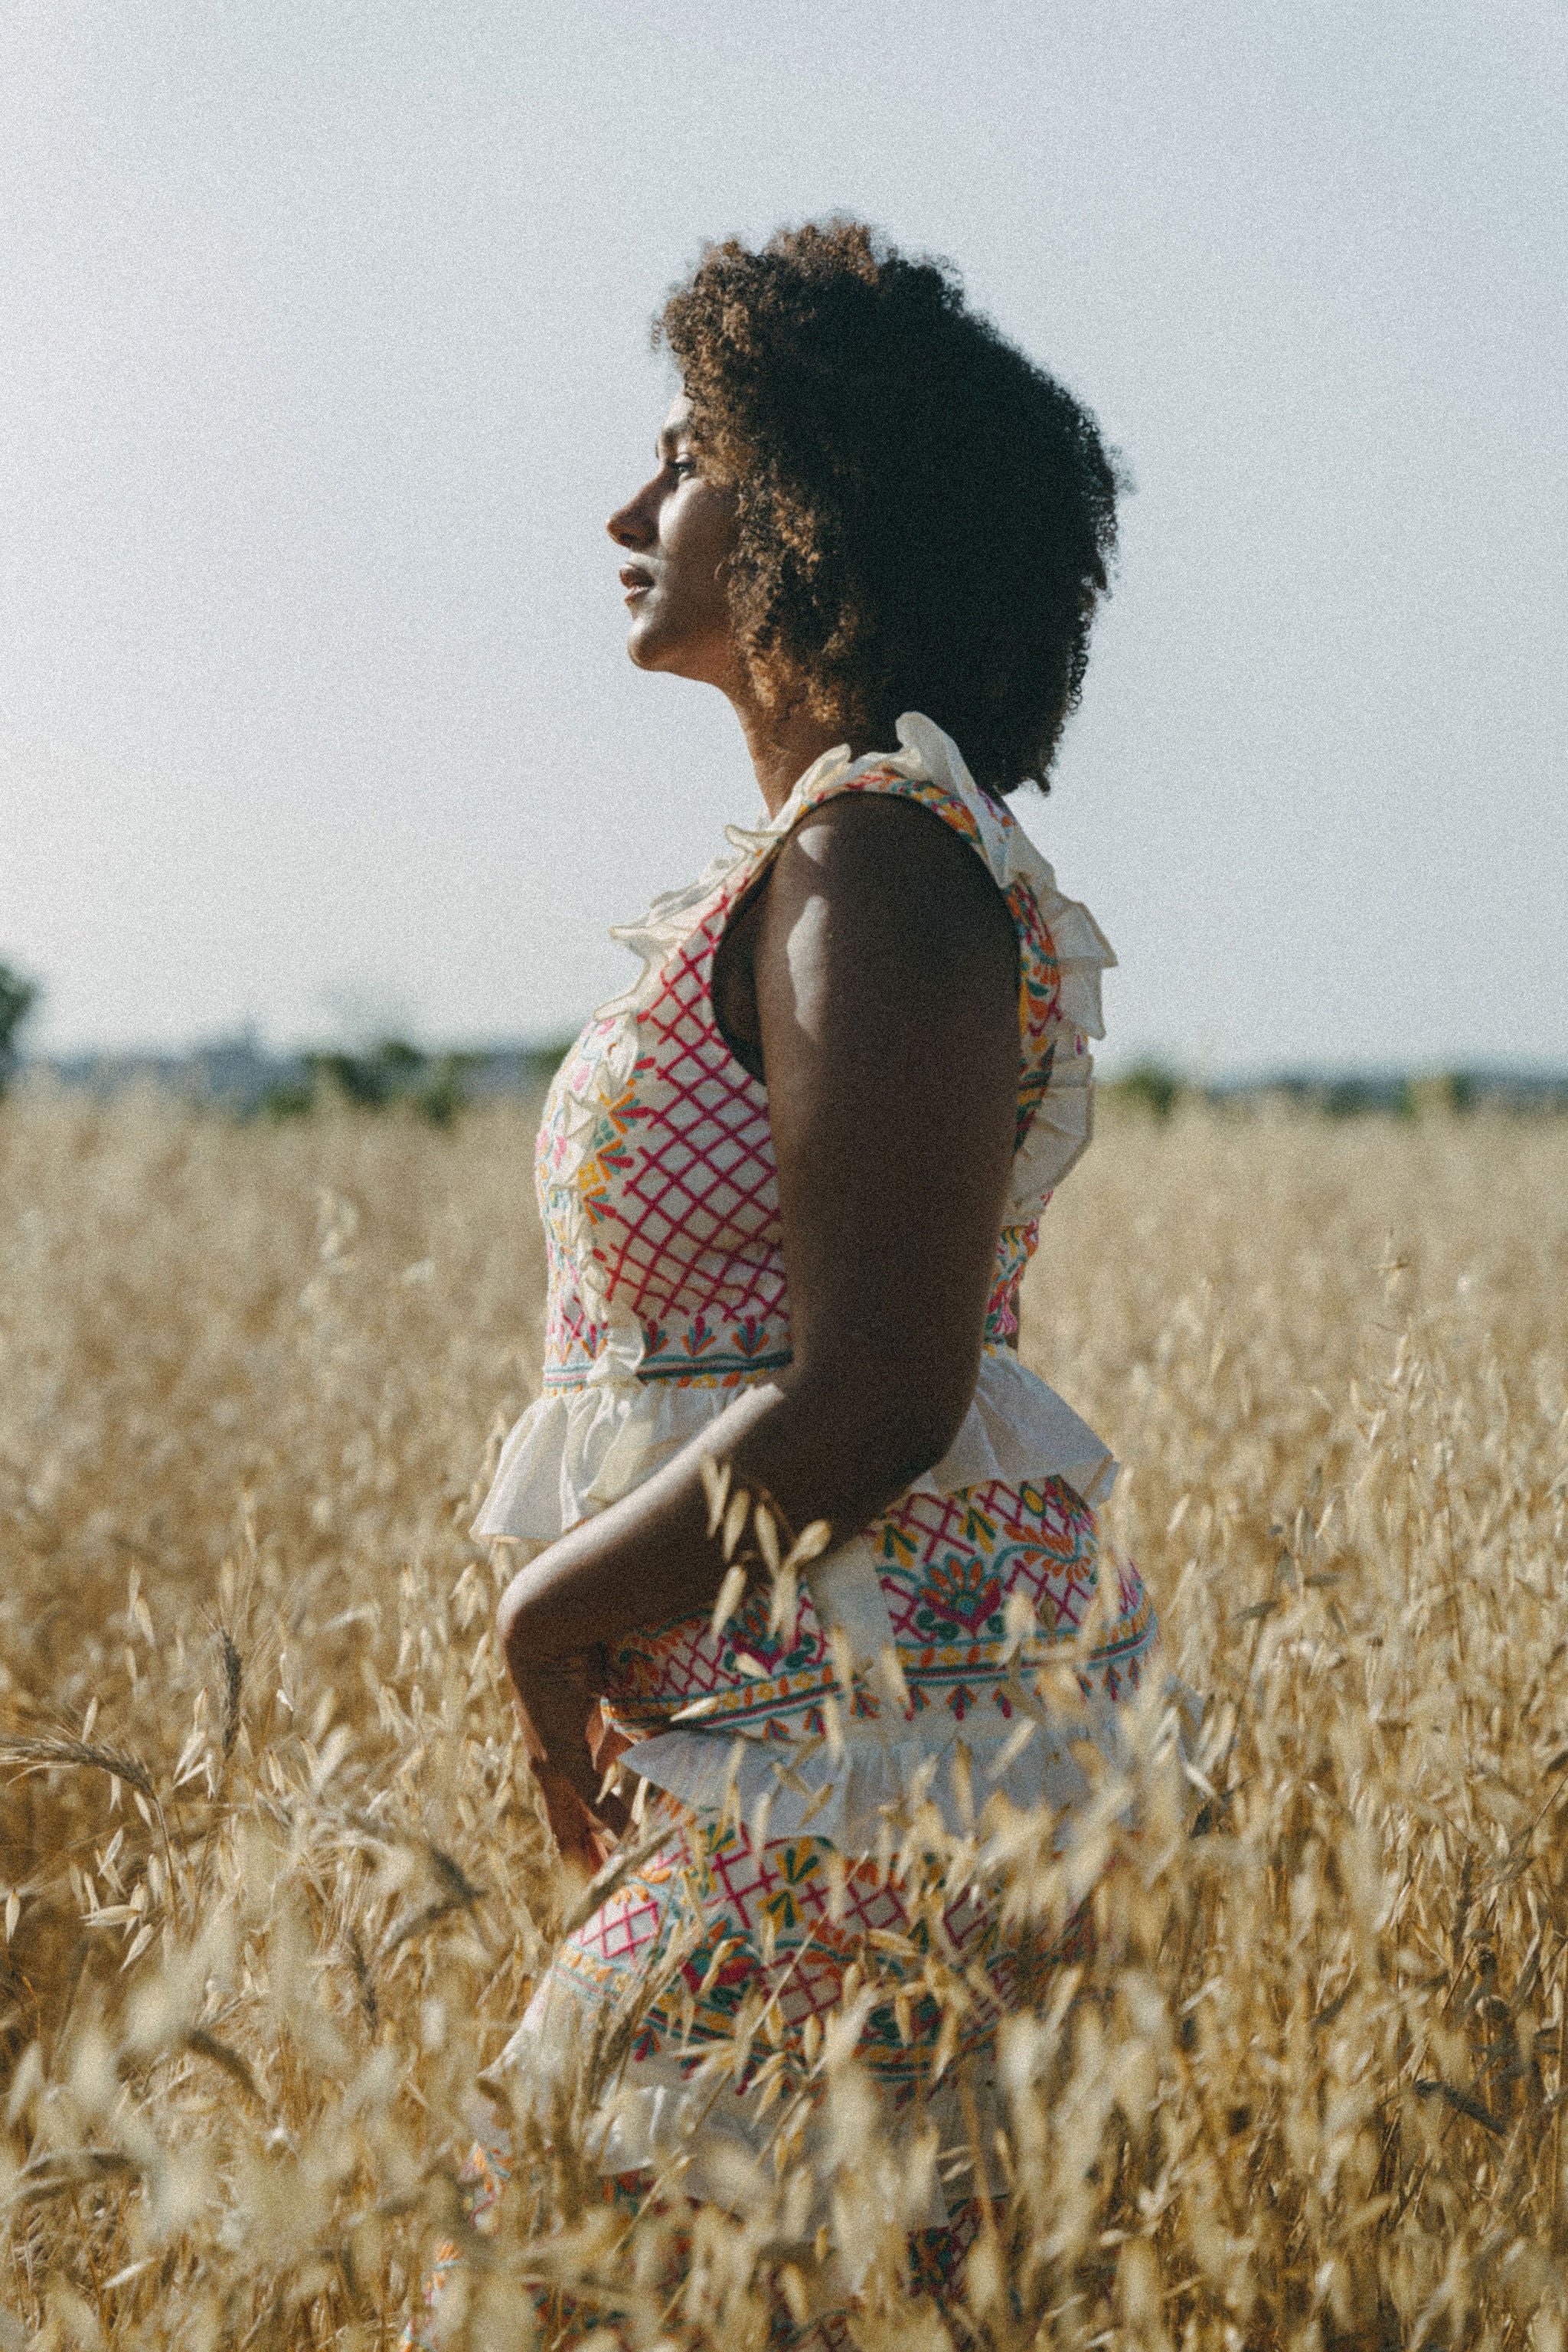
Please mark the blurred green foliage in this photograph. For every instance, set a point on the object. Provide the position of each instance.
(1356, 1097)
(1152, 1085)
(17, 999)
(391, 1075)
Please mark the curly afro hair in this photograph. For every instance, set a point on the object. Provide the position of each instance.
(925, 518)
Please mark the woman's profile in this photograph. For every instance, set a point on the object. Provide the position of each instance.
(790, 1182)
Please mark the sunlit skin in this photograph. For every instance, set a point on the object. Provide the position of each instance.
(872, 981)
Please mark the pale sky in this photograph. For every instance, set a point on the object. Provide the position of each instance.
(323, 341)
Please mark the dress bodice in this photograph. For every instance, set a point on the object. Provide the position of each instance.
(666, 1213)
(658, 1190)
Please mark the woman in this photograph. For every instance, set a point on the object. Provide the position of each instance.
(790, 1182)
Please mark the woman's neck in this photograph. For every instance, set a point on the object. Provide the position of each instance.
(784, 748)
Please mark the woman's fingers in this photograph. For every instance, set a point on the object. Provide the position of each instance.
(586, 1837)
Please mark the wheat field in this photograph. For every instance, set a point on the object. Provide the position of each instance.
(275, 1887)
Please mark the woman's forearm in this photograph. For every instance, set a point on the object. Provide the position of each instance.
(836, 1451)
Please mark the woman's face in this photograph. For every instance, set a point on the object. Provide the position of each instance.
(678, 534)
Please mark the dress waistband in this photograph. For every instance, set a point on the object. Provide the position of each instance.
(713, 1349)
(585, 1444)
(716, 1349)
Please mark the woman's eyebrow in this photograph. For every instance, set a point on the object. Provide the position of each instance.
(667, 445)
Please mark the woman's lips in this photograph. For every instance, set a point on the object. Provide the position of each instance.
(636, 581)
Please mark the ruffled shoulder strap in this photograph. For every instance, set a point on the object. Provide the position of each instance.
(1062, 950)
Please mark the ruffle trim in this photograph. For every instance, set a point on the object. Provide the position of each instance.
(882, 1779)
(575, 1451)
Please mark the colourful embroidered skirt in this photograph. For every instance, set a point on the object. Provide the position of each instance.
(711, 1973)
(710, 1920)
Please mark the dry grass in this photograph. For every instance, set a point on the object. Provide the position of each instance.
(277, 1887)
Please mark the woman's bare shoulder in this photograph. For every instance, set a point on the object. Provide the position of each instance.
(896, 878)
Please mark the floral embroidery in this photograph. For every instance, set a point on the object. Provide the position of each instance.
(753, 1676)
(948, 1563)
(769, 1917)
(606, 1156)
(960, 1601)
(1013, 1252)
(1039, 992)
(797, 1865)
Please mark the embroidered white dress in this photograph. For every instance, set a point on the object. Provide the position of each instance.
(669, 1292)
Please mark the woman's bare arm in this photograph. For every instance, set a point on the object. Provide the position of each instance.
(885, 978)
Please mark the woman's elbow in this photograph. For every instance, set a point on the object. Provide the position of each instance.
(901, 1428)
(517, 1638)
(921, 1436)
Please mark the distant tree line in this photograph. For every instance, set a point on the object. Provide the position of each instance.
(394, 1075)
(241, 1077)
(390, 1073)
(1160, 1088)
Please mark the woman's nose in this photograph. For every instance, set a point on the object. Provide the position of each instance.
(633, 525)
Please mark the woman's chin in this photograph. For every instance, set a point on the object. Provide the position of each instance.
(638, 640)
(647, 646)
(673, 652)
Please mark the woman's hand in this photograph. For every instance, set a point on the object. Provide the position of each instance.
(557, 1712)
(584, 1838)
